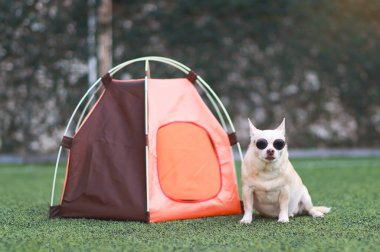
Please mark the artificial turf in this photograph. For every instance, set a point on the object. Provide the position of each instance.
(350, 186)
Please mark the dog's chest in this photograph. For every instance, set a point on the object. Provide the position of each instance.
(267, 189)
(267, 196)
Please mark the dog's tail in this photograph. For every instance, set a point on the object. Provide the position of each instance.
(322, 209)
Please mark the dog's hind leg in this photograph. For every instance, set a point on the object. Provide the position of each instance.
(308, 204)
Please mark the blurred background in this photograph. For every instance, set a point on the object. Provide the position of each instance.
(317, 63)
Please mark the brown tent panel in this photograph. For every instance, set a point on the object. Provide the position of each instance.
(106, 176)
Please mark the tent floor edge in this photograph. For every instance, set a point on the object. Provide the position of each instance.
(54, 212)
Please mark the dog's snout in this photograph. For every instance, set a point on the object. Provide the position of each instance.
(270, 152)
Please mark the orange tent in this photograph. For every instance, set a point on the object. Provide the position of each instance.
(150, 150)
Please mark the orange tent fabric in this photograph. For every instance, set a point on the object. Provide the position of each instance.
(172, 101)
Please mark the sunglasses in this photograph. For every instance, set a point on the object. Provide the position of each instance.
(278, 144)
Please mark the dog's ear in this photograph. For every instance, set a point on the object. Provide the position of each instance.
(281, 128)
(252, 129)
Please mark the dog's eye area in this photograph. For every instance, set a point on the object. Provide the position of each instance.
(261, 144)
(279, 144)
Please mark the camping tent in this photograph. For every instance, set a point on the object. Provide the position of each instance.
(149, 150)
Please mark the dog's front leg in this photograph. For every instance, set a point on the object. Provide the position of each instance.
(247, 193)
(284, 205)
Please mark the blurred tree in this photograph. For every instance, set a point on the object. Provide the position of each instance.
(92, 63)
(105, 36)
(339, 40)
(41, 61)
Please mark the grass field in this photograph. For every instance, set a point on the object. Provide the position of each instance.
(350, 186)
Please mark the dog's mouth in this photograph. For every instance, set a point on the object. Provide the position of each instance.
(270, 158)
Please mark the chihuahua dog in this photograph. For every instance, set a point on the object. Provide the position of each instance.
(270, 185)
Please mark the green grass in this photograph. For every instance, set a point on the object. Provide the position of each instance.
(349, 186)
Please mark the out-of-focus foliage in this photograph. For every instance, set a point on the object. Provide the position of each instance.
(42, 50)
(314, 62)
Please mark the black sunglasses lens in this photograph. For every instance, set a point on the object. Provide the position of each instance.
(279, 144)
(261, 144)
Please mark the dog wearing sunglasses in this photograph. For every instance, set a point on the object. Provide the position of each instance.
(270, 185)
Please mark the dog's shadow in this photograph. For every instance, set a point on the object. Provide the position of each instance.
(260, 217)
(266, 219)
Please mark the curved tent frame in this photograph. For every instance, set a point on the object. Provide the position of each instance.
(211, 95)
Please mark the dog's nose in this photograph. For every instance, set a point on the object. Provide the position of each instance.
(270, 152)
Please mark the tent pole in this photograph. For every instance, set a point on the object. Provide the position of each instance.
(55, 176)
(86, 107)
(147, 75)
(217, 110)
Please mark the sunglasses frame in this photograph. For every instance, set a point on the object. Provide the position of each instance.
(262, 143)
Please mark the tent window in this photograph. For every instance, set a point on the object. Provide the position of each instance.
(188, 167)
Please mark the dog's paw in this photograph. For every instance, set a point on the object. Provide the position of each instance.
(316, 214)
(283, 220)
(283, 217)
(242, 221)
(246, 220)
